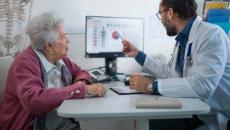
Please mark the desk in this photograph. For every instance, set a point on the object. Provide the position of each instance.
(115, 106)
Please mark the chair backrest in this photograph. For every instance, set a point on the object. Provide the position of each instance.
(5, 63)
(219, 17)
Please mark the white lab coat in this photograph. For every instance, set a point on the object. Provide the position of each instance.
(206, 75)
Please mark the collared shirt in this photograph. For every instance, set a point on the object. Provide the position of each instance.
(182, 39)
(53, 71)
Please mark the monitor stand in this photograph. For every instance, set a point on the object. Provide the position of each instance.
(111, 66)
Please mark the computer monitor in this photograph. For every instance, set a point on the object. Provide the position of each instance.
(104, 37)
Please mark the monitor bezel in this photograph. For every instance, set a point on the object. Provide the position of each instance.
(108, 54)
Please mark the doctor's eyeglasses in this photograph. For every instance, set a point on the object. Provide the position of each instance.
(159, 13)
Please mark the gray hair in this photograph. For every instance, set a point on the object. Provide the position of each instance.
(43, 28)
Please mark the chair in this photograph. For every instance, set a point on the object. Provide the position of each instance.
(5, 63)
(220, 17)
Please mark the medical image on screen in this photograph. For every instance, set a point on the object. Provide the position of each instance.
(105, 34)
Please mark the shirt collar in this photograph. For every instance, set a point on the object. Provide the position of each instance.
(47, 65)
(185, 32)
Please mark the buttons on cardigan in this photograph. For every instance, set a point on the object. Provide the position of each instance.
(75, 92)
(72, 93)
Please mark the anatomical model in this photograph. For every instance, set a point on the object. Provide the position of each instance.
(12, 18)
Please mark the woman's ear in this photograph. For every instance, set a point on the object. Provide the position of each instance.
(47, 47)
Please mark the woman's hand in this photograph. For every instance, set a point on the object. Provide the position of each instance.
(96, 89)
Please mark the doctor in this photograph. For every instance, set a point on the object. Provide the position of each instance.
(199, 66)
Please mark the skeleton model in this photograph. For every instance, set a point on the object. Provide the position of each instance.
(12, 16)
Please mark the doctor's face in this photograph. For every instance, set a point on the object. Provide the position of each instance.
(166, 21)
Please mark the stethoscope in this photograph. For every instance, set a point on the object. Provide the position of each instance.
(188, 59)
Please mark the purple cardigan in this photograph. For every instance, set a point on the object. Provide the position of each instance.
(25, 95)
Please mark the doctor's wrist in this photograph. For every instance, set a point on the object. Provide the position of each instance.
(140, 58)
(149, 88)
(153, 88)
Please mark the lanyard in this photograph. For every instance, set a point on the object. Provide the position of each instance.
(188, 56)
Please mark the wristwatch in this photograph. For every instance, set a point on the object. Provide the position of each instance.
(150, 87)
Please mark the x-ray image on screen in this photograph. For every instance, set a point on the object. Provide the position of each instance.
(105, 34)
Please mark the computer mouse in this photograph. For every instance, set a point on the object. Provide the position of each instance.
(126, 82)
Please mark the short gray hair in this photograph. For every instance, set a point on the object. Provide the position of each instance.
(43, 28)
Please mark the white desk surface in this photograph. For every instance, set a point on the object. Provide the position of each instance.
(115, 106)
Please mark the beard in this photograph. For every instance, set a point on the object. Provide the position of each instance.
(171, 30)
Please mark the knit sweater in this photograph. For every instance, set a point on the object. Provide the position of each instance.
(26, 96)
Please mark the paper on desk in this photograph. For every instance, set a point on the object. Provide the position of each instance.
(124, 90)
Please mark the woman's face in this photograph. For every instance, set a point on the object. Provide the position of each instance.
(60, 46)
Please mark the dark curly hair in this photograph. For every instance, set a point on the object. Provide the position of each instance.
(183, 8)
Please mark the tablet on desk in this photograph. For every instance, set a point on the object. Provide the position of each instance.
(124, 90)
(158, 102)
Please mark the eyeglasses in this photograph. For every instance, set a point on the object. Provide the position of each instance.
(159, 13)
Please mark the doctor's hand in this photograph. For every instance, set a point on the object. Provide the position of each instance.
(139, 83)
(129, 49)
(96, 89)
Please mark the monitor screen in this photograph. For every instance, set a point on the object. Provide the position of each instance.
(104, 35)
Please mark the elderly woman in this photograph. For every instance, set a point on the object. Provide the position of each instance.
(41, 78)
